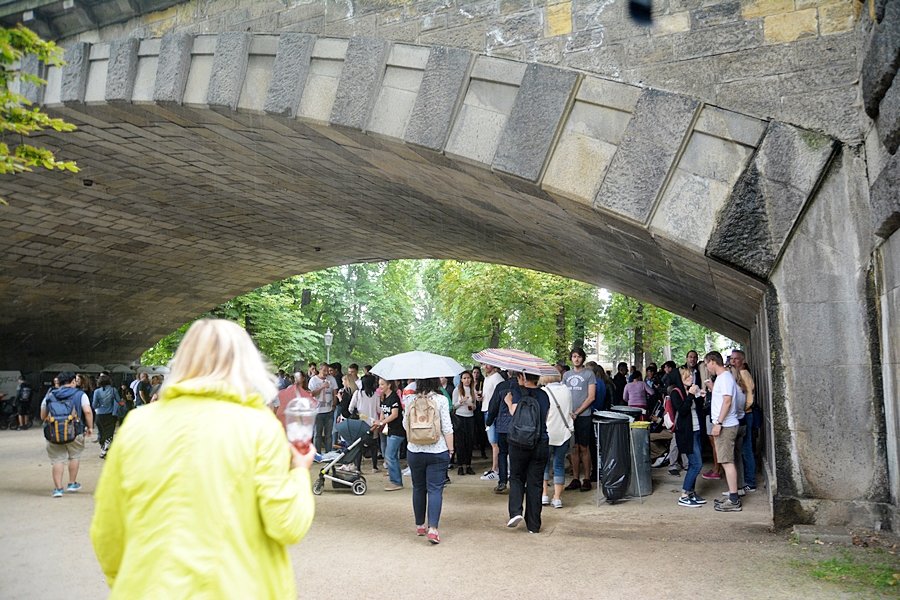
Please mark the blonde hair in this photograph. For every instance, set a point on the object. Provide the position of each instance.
(350, 383)
(547, 379)
(216, 352)
(687, 376)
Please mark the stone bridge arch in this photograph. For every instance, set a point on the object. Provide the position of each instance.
(211, 159)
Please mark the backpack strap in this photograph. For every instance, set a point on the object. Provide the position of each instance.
(556, 402)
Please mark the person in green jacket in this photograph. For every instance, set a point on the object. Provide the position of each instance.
(202, 494)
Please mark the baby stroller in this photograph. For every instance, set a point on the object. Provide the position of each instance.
(342, 467)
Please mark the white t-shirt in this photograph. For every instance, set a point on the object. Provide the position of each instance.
(490, 384)
(326, 398)
(367, 406)
(724, 386)
(559, 430)
(460, 402)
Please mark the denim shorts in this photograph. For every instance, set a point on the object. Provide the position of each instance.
(491, 432)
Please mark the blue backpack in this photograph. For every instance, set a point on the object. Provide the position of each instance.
(61, 426)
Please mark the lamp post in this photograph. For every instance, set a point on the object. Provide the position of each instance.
(329, 338)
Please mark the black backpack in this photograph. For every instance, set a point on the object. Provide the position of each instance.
(525, 427)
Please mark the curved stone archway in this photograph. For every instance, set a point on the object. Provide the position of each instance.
(219, 163)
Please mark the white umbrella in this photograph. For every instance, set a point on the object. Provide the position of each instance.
(92, 368)
(416, 365)
(60, 367)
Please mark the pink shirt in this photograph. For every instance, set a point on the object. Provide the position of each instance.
(635, 394)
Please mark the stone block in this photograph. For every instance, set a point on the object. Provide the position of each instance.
(881, 59)
(608, 93)
(577, 166)
(75, 73)
(762, 8)
(717, 14)
(836, 18)
(499, 70)
(289, 73)
(791, 26)
(32, 92)
(730, 126)
(548, 51)
(714, 158)
(885, 199)
(768, 198)
(476, 133)
(674, 23)
(443, 83)
(888, 123)
(173, 68)
(605, 61)
(469, 37)
(809, 534)
(652, 140)
(409, 57)
(558, 19)
(721, 39)
(122, 70)
(229, 69)
(332, 49)
(257, 80)
(686, 212)
(359, 83)
(534, 121)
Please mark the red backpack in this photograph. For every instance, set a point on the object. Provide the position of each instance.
(669, 416)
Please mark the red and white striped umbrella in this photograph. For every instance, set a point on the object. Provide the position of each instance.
(515, 360)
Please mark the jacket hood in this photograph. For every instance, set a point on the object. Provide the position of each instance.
(211, 391)
(65, 392)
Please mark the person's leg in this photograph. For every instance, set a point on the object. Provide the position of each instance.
(492, 437)
(503, 458)
(75, 449)
(73, 470)
(575, 458)
(327, 434)
(392, 459)
(435, 474)
(585, 462)
(725, 452)
(467, 431)
(558, 459)
(715, 455)
(57, 469)
(695, 464)
(319, 438)
(672, 457)
(417, 466)
(738, 456)
(537, 458)
(518, 472)
(749, 459)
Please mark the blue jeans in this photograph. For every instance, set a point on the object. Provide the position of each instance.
(324, 427)
(749, 459)
(557, 462)
(428, 471)
(392, 458)
(695, 463)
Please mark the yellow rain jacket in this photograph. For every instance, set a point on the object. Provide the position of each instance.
(197, 500)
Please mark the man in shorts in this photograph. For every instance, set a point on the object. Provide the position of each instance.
(23, 404)
(582, 383)
(725, 427)
(70, 453)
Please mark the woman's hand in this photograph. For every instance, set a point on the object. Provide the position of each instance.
(302, 459)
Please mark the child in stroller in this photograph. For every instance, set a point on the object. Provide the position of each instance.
(342, 467)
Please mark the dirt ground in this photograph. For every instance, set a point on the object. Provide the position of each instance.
(584, 551)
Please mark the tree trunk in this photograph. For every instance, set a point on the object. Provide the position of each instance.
(495, 332)
(562, 348)
(578, 332)
(639, 337)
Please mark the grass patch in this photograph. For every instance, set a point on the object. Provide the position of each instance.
(845, 568)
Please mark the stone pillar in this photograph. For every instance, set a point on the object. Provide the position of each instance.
(827, 406)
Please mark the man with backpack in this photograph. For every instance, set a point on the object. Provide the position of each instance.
(66, 413)
(528, 450)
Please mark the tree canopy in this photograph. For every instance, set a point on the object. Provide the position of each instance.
(445, 306)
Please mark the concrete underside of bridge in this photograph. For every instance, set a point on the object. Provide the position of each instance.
(214, 164)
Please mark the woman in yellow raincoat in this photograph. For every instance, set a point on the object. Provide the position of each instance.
(201, 494)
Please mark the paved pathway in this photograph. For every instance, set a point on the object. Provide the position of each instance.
(367, 545)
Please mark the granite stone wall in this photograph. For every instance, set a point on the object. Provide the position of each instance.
(790, 60)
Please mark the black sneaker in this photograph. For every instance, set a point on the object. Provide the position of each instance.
(460, 471)
(500, 489)
(688, 501)
(697, 498)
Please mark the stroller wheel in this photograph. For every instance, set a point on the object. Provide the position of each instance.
(359, 487)
(318, 486)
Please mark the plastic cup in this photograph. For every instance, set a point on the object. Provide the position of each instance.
(300, 422)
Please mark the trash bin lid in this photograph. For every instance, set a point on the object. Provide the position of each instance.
(605, 416)
(640, 424)
(630, 410)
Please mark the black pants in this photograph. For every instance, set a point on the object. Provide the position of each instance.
(481, 440)
(106, 424)
(464, 440)
(526, 478)
(502, 458)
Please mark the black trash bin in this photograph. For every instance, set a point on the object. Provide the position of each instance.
(614, 454)
(632, 411)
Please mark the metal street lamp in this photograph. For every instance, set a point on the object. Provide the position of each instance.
(329, 338)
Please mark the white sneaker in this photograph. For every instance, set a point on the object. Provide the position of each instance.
(556, 503)
(659, 462)
(489, 476)
(406, 472)
(514, 522)
(545, 500)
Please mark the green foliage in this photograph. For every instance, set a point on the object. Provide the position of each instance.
(862, 571)
(18, 118)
